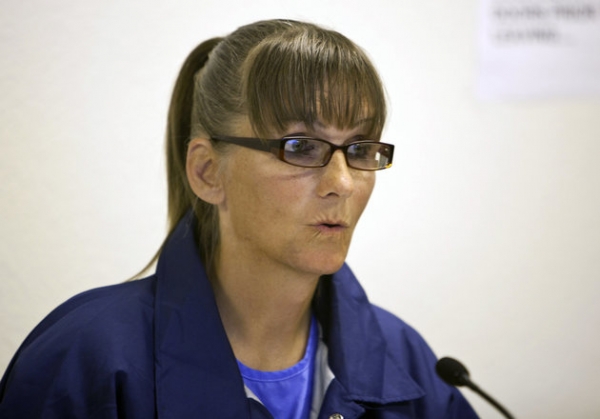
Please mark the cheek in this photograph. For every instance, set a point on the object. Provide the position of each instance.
(256, 190)
(281, 198)
(364, 187)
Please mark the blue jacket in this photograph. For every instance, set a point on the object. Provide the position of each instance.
(156, 348)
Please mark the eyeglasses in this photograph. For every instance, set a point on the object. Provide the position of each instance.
(314, 152)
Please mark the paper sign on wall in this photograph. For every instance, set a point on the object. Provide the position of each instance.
(539, 49)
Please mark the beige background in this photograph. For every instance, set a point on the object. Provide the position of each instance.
(484, 235)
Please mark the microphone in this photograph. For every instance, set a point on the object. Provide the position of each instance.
(454, 373)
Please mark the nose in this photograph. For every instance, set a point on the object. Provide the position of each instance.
(336, 178)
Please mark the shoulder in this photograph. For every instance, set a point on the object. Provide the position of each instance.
(407, 347)
(403, 336)
(98, 342)
(99, 315)
(411, 352)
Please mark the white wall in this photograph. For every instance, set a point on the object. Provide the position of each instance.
(484, 235)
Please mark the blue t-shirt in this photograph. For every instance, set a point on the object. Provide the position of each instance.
(287, 394)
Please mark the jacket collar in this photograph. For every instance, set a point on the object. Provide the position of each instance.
(196, 370)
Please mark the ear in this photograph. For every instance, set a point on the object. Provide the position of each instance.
(202, 171)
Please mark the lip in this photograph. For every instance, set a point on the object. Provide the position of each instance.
(330, 226)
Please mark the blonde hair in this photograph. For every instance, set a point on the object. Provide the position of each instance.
(274, 73)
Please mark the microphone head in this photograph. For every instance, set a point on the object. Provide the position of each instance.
(452, 372)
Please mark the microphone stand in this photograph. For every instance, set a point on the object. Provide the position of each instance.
(456, 374)
(489, 398)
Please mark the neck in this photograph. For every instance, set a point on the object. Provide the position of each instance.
(266, 314)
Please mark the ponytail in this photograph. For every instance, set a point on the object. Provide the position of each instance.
(179, 128)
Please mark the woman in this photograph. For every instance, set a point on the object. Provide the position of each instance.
(272, 148)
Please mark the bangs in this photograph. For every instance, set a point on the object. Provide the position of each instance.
(312, 75)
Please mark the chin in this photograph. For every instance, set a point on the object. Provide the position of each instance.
(324, 265)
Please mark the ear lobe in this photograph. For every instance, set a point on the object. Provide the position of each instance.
(202, 171)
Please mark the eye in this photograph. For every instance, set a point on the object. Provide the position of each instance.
(300, 146)
(362, 150)
(306, 152)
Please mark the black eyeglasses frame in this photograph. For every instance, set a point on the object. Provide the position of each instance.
(277, 148)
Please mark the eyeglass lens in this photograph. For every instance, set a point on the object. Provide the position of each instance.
(309, 152)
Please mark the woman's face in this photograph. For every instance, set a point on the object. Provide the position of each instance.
(276, 215)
